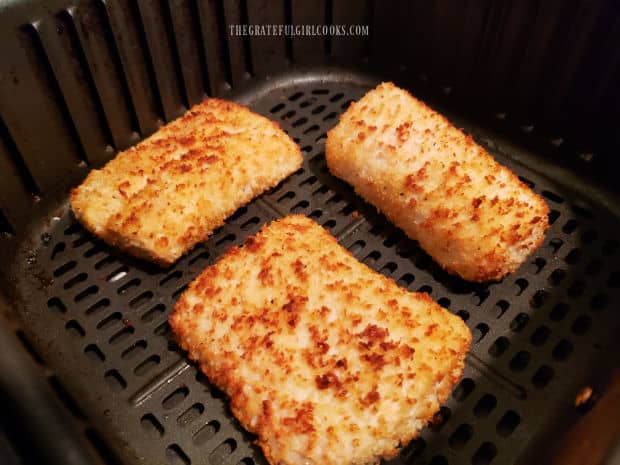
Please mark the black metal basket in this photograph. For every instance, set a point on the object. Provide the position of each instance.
(533, 82)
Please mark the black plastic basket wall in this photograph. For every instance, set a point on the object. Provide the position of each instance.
(80, 80)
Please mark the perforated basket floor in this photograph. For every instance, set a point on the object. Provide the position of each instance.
(99, 317)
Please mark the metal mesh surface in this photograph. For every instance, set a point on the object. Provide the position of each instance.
(99, 317)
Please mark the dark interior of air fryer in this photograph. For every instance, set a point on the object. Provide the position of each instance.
(535, 83)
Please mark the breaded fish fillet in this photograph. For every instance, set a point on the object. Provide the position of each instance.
(158, 199)
(471, 214)
(327, 361)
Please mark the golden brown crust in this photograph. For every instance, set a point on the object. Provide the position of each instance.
(158, 199)
(471, 214)
(327, 361)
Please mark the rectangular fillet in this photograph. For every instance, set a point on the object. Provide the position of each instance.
(471, 214)
(327, 361)
(160, 198)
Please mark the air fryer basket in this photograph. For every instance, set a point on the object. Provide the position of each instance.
(83, 79)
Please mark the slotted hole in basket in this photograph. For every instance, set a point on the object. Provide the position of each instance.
(109, 321)
(286, 197)
(135, 282)
(277, 108)
(174, 276)
(147, 365)
(552, 196)
(94, 250)
(556, 277)
(499, 346)
(389, 268)
(227, 239)
(520, 360)
(289, 114)
(221, 452)
(582, 324)
(190, 415)
(117, 274)
(134, 350)
(543, 376)
(426, 288)
(104, 262)
(540, 336)
(479, 332)
(140, 299)
(309, 181)
(485, 405)
(444, 302)
(508, 423)
(500, 308)
(413, 450)
(94, 354)
(80, 241)
(318, 109)
(74, 329)
(296, 96)
(463, 314)
(79, 278)
(64, 268)
(336, 97)
(519, 322)
(330, 116)
(553, 216)
(562, 350)
(555, 244)
(526, 181)
(114, 380)
(405, 280)
(58, 249)
(570, 226)
(97, 307)
(175, 398)
(300, 206)
(204, 434)
(357, 246)
(86, 293)
(176, 456)
(372, 258)
(539, 263)
(249, 224)
(151, 426)
(56, 305)
(573, 256)
(463, 389)
(202, 256)
(300, 122)
(539, 298)
(485, 454)
(461, 436)
(440, 418)
(122, 335)
(521, 284)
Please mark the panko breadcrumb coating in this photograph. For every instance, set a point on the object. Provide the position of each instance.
(471, 214)
(326, 360)
(160, 198)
